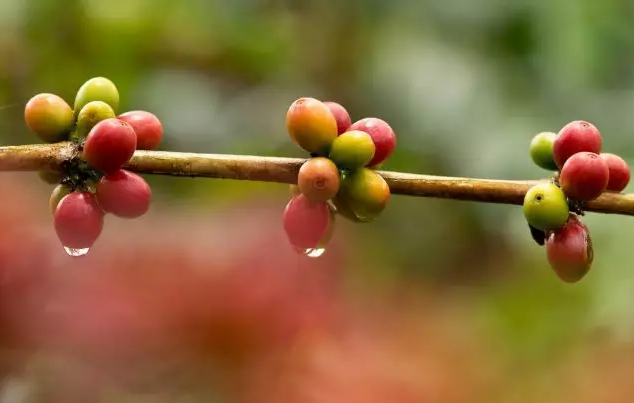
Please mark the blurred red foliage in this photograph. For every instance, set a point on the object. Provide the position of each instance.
(219, 298)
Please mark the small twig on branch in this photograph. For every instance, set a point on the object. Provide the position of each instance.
(284, 170)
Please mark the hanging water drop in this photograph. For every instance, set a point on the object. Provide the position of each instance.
(76, 252)
(314, 252)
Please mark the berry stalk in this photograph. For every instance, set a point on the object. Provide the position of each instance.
(285, 170)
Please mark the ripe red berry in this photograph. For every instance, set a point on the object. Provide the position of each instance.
(341, 116)
(78, 220)
(576, 137)
(306, 223)
(569, 250)
(584, 176)
(124, 194)
(619, 172)
(382, 135)
(148, 128)
(109, 145)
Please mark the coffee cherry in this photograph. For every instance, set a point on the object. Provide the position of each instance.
(541, 150)
(148, 128)
(306, 223)
(318, 179)
(91, 114)
(49, 176)
(584, 176)
(57, 195)
(97, 89)
(569, 250)
(538, 235)
(49, 117)
(576, 137)
(382, 135)
(311, 125)
(78, 220)
(352, 150)
(343, 208)
(109, 145)
(619, 172)
(294, 189)
(325, 239)
(364, 194)
(545, 207)
(341, 116)
(124, 194)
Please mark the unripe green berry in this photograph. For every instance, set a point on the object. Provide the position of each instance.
(352, 150)
(57, 195)
(49, 116)
(545, 207)
(541, 150)
(91, 114)
(294, 189)
(364, 194)
(49, 176)
(97, 89)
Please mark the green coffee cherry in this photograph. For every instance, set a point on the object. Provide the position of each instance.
(546, 207)
(343, 208)
(352, 150)
(97, 89)
(294, 189)
(91, 114)
(364, 194)
(49, 176)
(57, 195)
(541, 150)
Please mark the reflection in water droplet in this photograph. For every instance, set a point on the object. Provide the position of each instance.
(314, 252)
(76, 252)
(311, 252)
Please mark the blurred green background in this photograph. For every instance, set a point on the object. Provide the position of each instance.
(464, 83)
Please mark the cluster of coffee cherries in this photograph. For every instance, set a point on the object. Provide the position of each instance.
(553, 209)
(91, 182)
(339, 178)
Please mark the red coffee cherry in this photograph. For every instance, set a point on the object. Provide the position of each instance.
(619, 172)
(124, 194)
(576, 137)
(382, 135)
(306, 223)
(569, 250)
(78, 220)
(148, 128)
(109, 145)
(341, 116)
(584, 176)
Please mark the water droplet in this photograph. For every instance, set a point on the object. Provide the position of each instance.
(314, 252)
(76, 252)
